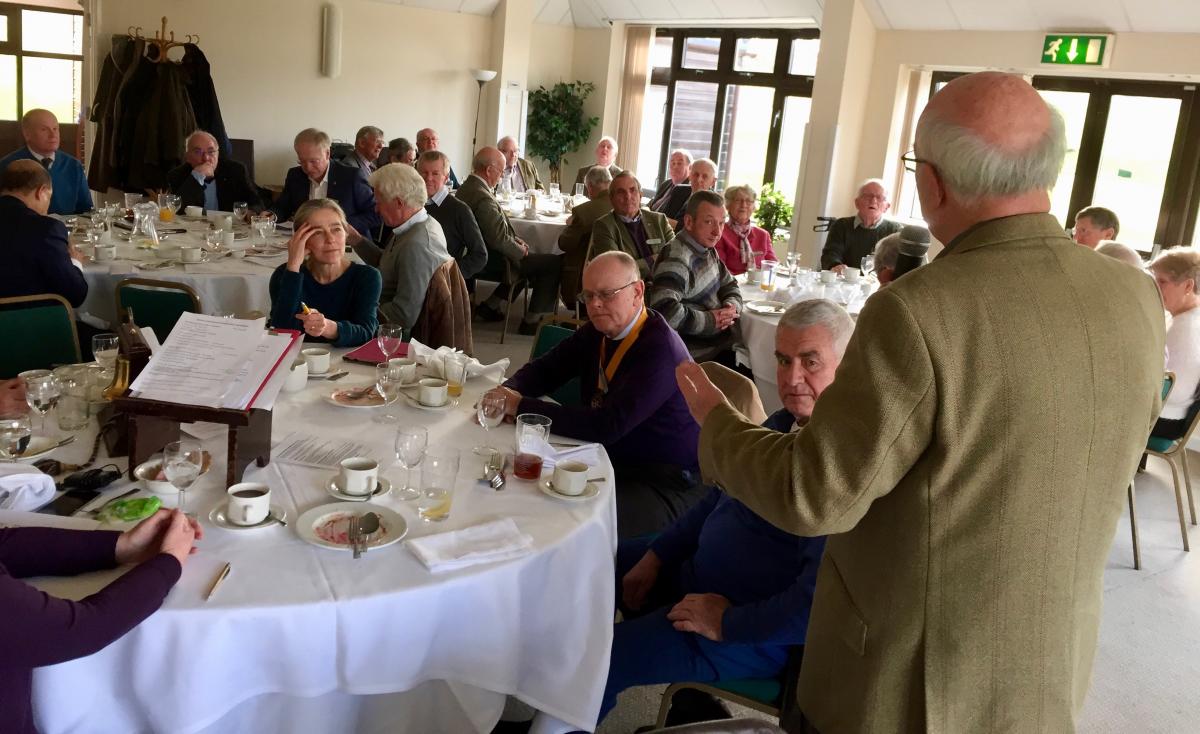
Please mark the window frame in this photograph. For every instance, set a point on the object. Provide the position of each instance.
(15, 40)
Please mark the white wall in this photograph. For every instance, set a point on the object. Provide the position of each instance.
(551, 54)
(403, 68)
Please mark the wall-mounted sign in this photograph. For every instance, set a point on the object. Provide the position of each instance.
(1077, 49)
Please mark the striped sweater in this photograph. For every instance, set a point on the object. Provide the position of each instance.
(688, 283)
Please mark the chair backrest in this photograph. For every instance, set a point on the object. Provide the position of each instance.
(739, 390)
(1168, 384)
(550, 334)
(40, 331)
(157, 304)
(445, 319)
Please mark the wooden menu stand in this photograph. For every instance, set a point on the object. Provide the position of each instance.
(152, 424)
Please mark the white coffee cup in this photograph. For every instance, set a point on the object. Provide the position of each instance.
(828, 277)
(318, 360)
(190, 254)
(297, 378)
(249, 503)
(851, 274)
(570, 477)
(194, 211)
(408, 368)
(359, 475)
(105, 252)
(432, 392)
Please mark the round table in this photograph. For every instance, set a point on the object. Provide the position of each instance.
(541, 234)
(304, 639)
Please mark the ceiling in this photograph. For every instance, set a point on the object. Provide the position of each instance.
(1144, 16)
(598, 13)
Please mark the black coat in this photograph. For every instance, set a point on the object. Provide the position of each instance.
(233, 184)
(676, 203)
(463, 238)
(347, 186)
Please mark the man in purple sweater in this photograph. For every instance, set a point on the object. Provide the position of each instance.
(42, 630)
(628, 401)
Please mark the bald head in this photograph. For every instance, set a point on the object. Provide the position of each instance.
(1002, 110)
(427, 139)
(488, 164)
(40, 130)
(28, 181)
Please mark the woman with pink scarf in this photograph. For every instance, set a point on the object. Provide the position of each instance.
(742, 241)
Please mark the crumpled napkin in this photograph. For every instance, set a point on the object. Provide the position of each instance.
(432, 359)
(496, 540)
(588, 453)
(24, 488)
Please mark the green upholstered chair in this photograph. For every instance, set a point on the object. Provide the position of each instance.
(157, 304)
(40, 332)
(549, 334)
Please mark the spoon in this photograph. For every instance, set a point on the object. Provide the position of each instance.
(368, 524)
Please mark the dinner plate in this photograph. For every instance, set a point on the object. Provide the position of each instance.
(546, 484)
(326, 526)
(38, 446)
(435, 408)
(217, 517)
(769, 308)
(382, 487)
(343, 398)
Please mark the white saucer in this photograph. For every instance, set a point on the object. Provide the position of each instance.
(382, 487)
(436, 408)
(769, 308)
(392, 524)
(218, 518)
(546, 484)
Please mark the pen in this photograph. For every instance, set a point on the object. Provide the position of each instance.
(215, 584)
(304, 307)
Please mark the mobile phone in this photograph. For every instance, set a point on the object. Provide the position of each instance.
(69, 502)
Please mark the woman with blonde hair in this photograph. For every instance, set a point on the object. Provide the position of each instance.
(319, 290)
(742, 241)
(1176, 272)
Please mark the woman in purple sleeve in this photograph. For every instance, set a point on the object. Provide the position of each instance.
(39, 629)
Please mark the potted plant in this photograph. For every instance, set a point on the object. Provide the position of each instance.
(774, 212)
(557, 124)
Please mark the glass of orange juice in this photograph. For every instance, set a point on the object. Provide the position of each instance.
(456, 374)
(168, 204)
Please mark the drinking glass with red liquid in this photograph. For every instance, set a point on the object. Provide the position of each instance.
(532, 432)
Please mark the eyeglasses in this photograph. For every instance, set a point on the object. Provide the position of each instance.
(605, 296)
(911, 161)
(204, 151)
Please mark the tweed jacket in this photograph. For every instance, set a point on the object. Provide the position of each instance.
(497, 231)
(529, 174)
(574, 241)
(445, 319)
(609, 233)
(969, 463)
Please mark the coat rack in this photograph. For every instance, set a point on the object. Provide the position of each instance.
(162, 40)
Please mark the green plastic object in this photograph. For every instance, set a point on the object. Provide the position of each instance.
(130, 510)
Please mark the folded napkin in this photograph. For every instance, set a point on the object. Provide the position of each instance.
(432, 359)
(588, 453)
(497, 540)
(24, 488)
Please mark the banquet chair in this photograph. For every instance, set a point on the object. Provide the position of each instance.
(772, 696)
(552, 331)
(40, 330)
(1174, 451)
(157, 304)
(505, 276)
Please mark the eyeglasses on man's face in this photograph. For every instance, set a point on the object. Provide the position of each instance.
(585, 296)
(911, 161)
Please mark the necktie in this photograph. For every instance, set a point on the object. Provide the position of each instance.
(46, 162)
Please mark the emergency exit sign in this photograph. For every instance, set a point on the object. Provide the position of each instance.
(1068, 49)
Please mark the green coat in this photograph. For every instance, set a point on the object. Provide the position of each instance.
(574, 241)
(529, 174)
(969, 464)
(497, 231)
(610, 234)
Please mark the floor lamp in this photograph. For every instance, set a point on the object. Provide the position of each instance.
(482, 76)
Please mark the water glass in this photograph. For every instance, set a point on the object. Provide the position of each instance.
(388, 379)
(263, 224)
(410, 450)
(132, 200)
(15, 431)
(42, 393)
(104, 349)
(532, 431)
(438, 475)
(555, 192)
(182, 461)
(579, 190)
(868, 265)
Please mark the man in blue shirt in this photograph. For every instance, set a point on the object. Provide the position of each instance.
(209, 180)
(722, 594)
(40, 129)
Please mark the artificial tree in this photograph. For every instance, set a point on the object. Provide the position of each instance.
(557, 124)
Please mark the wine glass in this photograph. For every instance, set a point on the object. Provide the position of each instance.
(41, 393)
(15, 431)
(490, 413)
(410, 449)
(868, 265)
(240, 210)
(387, 381)
(105, 349)
(389, 337)
(182, 461)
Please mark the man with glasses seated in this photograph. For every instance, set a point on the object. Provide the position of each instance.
(850, 239)
(625, 358)
(207, 180)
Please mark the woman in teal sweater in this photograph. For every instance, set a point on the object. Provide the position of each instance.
(341, 296)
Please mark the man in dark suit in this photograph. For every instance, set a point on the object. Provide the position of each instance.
(427, 140)
(606, 157)
(318, 178)
(575, 238)
(678, 164)
(702, 176)
(207, 180)
(463, 239)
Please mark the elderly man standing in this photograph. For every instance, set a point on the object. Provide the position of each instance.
(850, 239)
(678, 165)
(576, 237)
(368, 143)
(520, 174)
(427, 140)
(971, 459)
(463, 239)
(630, 227)
(318, 178)
(606, 156)
(691, 287)
(624, 358)
(208, 180)
(702, 176)
(508, 255)
(40, 130)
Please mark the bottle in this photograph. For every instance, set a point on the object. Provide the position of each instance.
(120, 381)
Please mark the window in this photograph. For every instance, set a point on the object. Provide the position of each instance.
(41, 61)
(738, 96)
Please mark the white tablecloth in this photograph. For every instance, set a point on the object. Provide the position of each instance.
(225, 285)
(303, 639)
(540, 234)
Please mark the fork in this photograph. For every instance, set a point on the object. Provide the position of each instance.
(354, 533)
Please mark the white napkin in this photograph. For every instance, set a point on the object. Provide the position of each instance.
(432, 359)
(24, 488)
(588, 453)
(497, 540)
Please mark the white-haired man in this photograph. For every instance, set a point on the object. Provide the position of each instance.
(606, 157)
(962, 578)
(209, 180)
(427, 140)
(519, 174)
(850, 239)
(368, 144)
(316, 177)
(702, 176)
(40, 129)
(678, 165)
